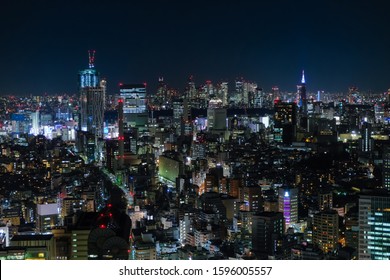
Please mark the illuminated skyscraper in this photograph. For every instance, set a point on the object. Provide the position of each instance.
(191, 89)
(251, 196)
(275, 93)
(285, 121)
(92, 99)
(366, 142)
(301, 92)
(325, 200)
(35, 122)
(222, 93)
(374, 227)
(285, 113)
(288, 205)
(326, 230)
(134, 98)
(121, 136)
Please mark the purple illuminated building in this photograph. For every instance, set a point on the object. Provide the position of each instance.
(288, 205)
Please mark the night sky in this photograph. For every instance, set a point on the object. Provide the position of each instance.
(338, 43)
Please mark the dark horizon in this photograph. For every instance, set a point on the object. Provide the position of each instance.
(337, 43)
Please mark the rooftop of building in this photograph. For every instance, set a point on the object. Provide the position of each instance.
(374, 193)
(32, 237)
(130, 86)
(268, 214)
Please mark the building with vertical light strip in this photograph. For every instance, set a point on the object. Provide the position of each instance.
(366, 142)
(288, 205)
(374, 227)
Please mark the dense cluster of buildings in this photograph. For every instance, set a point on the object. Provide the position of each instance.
(211, 172)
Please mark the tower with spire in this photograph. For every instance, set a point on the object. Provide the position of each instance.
(92, 92)
(301, 94)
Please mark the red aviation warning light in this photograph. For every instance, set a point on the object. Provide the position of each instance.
(91, 56)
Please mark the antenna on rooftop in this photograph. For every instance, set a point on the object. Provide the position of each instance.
(91, 58)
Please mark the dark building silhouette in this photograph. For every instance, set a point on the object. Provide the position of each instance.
(267, 229)
(109, 238)
(285, 122)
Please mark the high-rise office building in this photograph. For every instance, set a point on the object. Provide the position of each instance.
(351, 220)
(134, 98)
(326, 230)
(288, 205)
(35, 122)
(89, 77)
(222, 93)
(161, 97)
(252, 198)
(216, 118)
(121, 137)
(185, 225)
(191, 89)
(374, 227)
(92, 108)
(48, 216)
(285, 120)
(325, 199)
(301, 94)
(92, 99)
(285, 113)
(267, 228)
(366, 142)
(386, 168)
(275, 95)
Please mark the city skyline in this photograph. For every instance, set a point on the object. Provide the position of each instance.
(337, 43)
(212, 172)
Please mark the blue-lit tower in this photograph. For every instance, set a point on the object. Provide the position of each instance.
(301, 92)
(92, 98)
(92, 91)
(89, 77)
